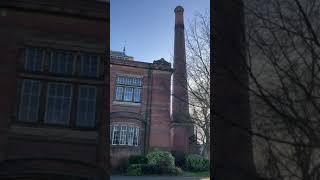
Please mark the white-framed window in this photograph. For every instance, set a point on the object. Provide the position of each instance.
(130, 135)
(86, 111)
(62, 62)
(58, 106)
(34, 59)
(89, 65)
(128, 89)
(124, 134)
(29, 100)
(136, 137)
(115, 134)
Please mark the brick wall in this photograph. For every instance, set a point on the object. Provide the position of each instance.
(152, 115)
(160, 110)
(40, 26)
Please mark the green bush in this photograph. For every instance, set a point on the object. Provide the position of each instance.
(135, 170)
(206, 164)
(150, 169)
(138, 159)
(197, 163)
(178, 171)
(161, 159)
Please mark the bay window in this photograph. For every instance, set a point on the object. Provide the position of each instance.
(124, 134)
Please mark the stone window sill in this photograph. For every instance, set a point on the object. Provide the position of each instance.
(125, 103)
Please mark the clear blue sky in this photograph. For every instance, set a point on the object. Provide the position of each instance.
(147, 26)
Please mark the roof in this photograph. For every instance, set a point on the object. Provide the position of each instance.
(120, 58)
(120, 55)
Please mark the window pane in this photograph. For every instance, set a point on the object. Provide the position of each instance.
(137, 95)
(130, 135)
(34, 59)
(86, 112)
(136, 136)
(92, 93)
(138, 82)
(29, 101)
(129, 90)
(58, 103)
(62, 62)
(123, 135)
(120, 80)
(128, 93)
(37, 64)
(119, 93)
(115, 135)
(89, 65)
(129, 81)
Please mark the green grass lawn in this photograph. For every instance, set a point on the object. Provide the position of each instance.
(196, 174)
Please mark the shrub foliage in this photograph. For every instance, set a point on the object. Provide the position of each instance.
(138, 159)
(197, 163)
(156, 162)
(135, 170)
(161, 158)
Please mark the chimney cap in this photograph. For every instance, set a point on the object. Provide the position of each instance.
(178, 9)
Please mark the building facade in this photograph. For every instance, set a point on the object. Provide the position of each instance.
(140, 98)
(53, 56)
(55, 93)
(140, 106)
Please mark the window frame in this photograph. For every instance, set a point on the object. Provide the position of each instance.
(27, 60)
(128, 82)
(47, 61)
(45, 121)
(21, 93)
(81, 59)
(51, 61)
(113, 134)
(135, 133)
(130, 143)
(123, 137)
(78, 102)
(45, 53)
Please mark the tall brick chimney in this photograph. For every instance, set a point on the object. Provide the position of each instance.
(180, 91)
(182, 129)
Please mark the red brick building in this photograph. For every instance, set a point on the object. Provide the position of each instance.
(52, 68)
(140, 95)
(140, 106)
